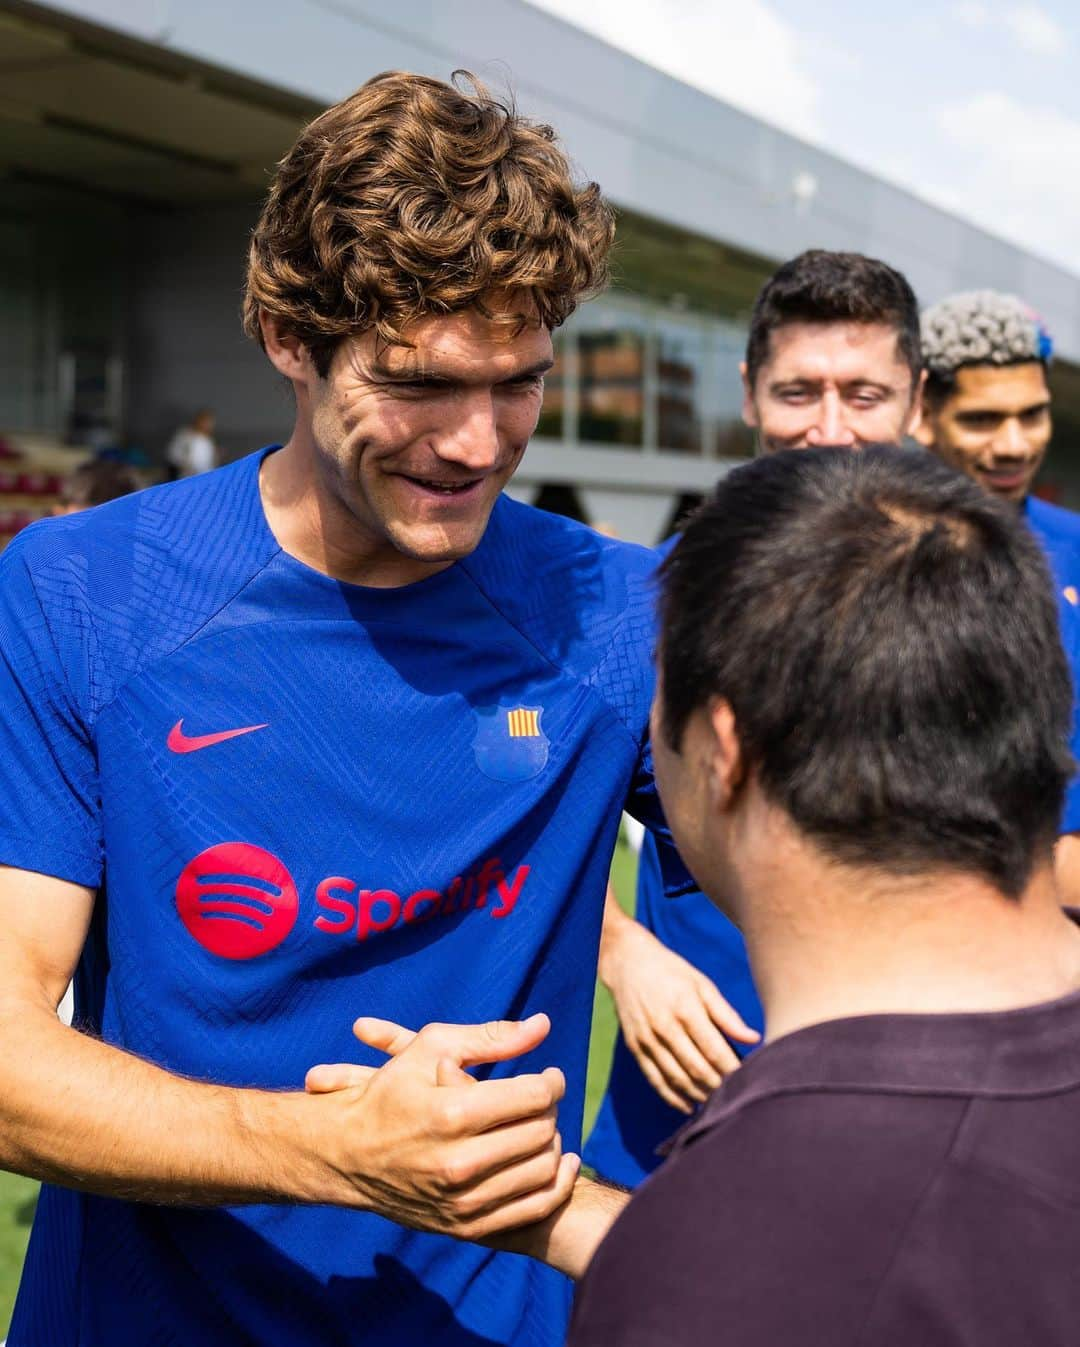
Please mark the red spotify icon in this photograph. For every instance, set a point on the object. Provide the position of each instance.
(238, 901)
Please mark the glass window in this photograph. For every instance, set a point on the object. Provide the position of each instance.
(611, 375)
(680, 384)
(555, 388)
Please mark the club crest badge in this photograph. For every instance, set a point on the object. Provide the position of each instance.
(510, 744)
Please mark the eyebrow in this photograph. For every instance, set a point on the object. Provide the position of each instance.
(426, 377)
(803, 381)
(1043, 406)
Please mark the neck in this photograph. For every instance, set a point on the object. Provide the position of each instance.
(307, 508)
(827, 941)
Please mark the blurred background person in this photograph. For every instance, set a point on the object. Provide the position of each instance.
(192, 450)
(93, 484)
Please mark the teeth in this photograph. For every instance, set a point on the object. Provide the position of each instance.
(447, 488)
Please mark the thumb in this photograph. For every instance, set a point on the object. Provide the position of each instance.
(496, 1041)
(331, 1076)
(385, 1035)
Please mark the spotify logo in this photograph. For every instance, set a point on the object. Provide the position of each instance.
(237, 900)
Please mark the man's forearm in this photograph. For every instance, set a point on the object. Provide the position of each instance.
(569, 1237)
(79, 1112)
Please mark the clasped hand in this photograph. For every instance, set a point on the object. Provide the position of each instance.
(427, 1145)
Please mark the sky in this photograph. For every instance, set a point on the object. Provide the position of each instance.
(973, 105)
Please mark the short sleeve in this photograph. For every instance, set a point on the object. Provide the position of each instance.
(644, 804)
(50, 818)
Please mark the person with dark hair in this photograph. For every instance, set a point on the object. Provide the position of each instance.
(987, 413)
(92, 484)
(833, 354)
(336, 730)
(860, 740)
(832, 357)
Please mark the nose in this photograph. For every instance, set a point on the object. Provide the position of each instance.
(1010, 440)
(471, 436)
(830, 426)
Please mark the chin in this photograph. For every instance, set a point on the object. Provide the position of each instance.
(441, 549)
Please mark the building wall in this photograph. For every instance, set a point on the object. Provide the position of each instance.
(187, 347)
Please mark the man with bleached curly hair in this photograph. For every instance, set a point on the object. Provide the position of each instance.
(338, 730)
(986, 411)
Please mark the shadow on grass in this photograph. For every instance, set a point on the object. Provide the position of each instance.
(24, 1212)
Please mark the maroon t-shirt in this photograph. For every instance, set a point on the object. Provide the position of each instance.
(889, 1180)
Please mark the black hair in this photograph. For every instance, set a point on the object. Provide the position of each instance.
(96, 482)
(886, 635)
(827, 287)
(940, 384)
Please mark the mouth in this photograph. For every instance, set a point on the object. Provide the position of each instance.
(438, 489)
(1011, 478)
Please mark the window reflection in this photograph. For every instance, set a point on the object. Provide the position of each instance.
(611, 373)
(554, 407)
(680, 371)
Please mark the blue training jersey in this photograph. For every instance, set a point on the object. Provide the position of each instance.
(633, 1120)
(304, 801)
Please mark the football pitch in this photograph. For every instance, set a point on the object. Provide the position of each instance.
(18, 1195)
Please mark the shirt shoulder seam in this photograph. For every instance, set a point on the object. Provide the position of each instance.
(553, 664)
(191, 636)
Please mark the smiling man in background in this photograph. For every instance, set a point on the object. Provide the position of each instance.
(987, 412)
(832, 358)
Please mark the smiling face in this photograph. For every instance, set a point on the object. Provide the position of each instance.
(994, 425)
(411, 446)
(831, 384)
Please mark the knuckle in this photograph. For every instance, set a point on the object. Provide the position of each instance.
(453, 1175)
(451, 1116)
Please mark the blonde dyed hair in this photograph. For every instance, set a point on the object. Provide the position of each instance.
(414, 197)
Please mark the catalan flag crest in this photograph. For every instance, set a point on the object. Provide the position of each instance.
(510, 743)
(523, 723)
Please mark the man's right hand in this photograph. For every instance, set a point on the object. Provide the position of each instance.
(427, 1145)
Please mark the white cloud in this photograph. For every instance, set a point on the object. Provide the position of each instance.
(972, 13)
(737, 50)
(1035, 30)
(1017, 172)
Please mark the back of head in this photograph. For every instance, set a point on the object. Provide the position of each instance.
(829, 287)
(413, 198)
(886, 635)
(95, 483)
(979, 327)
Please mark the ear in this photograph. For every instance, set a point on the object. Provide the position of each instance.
(285, 351)
(923, 430)
(727, 767)
(749, 411)
(915, 416)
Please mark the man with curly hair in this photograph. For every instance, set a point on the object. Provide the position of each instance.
(338, 730)
(986, 411)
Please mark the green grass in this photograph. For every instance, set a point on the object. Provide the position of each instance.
(18, 1195)
(17, 1199)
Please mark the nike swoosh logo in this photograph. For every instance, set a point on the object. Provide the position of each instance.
(179, 742)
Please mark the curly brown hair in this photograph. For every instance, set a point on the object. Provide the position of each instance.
(415, 197)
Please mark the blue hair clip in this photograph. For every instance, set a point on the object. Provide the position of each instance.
(1046, 344)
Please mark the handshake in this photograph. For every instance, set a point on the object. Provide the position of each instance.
(423, 1143)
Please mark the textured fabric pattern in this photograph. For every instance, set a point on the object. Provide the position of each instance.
(305, 803)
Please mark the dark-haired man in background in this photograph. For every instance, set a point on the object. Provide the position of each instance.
(987, 412)
(832, 357)
(860, 737)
